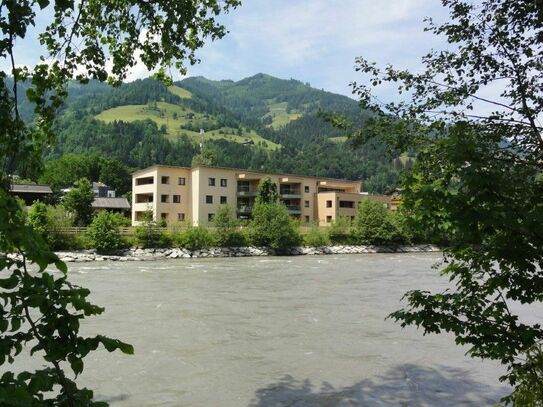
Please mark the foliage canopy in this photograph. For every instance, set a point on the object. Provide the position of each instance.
(474, 115)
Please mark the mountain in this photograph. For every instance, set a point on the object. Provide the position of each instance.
(260, 122)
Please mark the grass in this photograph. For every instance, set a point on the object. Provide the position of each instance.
(279, 115)
(174, 116)
(338, 140)
(182, 93)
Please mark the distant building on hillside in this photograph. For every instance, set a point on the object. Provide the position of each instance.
(180, 194)
(31, 193)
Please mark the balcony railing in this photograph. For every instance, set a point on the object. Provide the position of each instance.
(245, 209)
(246, 192)
(294, 209)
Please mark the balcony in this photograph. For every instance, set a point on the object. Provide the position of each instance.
(245, 210)
(290, 195)
(294, 209)
(246, 193)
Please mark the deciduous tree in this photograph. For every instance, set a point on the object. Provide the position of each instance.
(97, 39)
(474, 116)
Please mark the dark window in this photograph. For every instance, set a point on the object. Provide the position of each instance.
(306, 189)
(181, 181)
(328, 219)
(145, 181)
(210, 216)
(209, 199)
(164, 198)
(224, 182)
(346, 204)
(306, 204)
(223, 200)
(180, 217)
(165, 180)
(328, 204)
(163, 216)
(306, 219)
(177, 199)
(211, 182)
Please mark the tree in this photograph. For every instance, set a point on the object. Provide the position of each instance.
(116, 175)
(272, 226)
(267, 192)
(79, 201)
(84, 40)
(207, 156)
(227, 227)
(373, 224)
(103, 233)
(37, 217)
(476, 178)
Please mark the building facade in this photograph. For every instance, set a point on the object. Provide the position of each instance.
(182, 194)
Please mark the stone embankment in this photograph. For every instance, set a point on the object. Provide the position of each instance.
(178, 253)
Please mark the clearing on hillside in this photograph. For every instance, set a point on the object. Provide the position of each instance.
(179, 120)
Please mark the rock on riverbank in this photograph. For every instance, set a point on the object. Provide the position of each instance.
(180, 253)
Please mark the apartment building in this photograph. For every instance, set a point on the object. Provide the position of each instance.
(177, 194)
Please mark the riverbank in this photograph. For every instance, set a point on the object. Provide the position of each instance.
(215, 252)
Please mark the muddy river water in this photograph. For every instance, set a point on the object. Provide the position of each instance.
(275, 331)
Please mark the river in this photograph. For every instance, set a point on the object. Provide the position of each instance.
(274, 331)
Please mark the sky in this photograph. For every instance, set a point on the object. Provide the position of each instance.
(314, 41)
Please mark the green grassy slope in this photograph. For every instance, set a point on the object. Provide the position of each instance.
(173, 117)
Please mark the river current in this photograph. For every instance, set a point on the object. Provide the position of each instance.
(275, 331)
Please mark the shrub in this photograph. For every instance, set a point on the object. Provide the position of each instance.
(316, 237)
(37, 217)
(103, 232)
(195, 238)
(273, 227)
(373, 224)
(79, 201)
(148, 234)
(340, 231)
(227, 228)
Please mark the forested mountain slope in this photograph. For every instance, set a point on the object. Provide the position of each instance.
(260, 122)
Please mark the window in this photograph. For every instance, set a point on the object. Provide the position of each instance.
(181, 181)
(164, 198)
(144, 198)
(352, 218)
(223, 200)
(306, 204)
(306, 189)
(306, 219)
(346, 204)
(328, 219)
(165, 180)
(164, 216)
(210, 217)
(180, 217)
(209, 199)
(177, 199)
(145, 181)
(224, 182)
(328, 204)
(211, 182)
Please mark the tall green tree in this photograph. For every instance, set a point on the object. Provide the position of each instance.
(474, 116)
(267, 192)
(89, 39)
(79, 202)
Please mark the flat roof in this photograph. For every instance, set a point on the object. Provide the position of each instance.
(247, 170)
(31, 188)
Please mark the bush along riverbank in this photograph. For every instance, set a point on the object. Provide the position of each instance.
(271, 232)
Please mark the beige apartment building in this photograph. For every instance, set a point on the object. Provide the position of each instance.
(178, 194)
